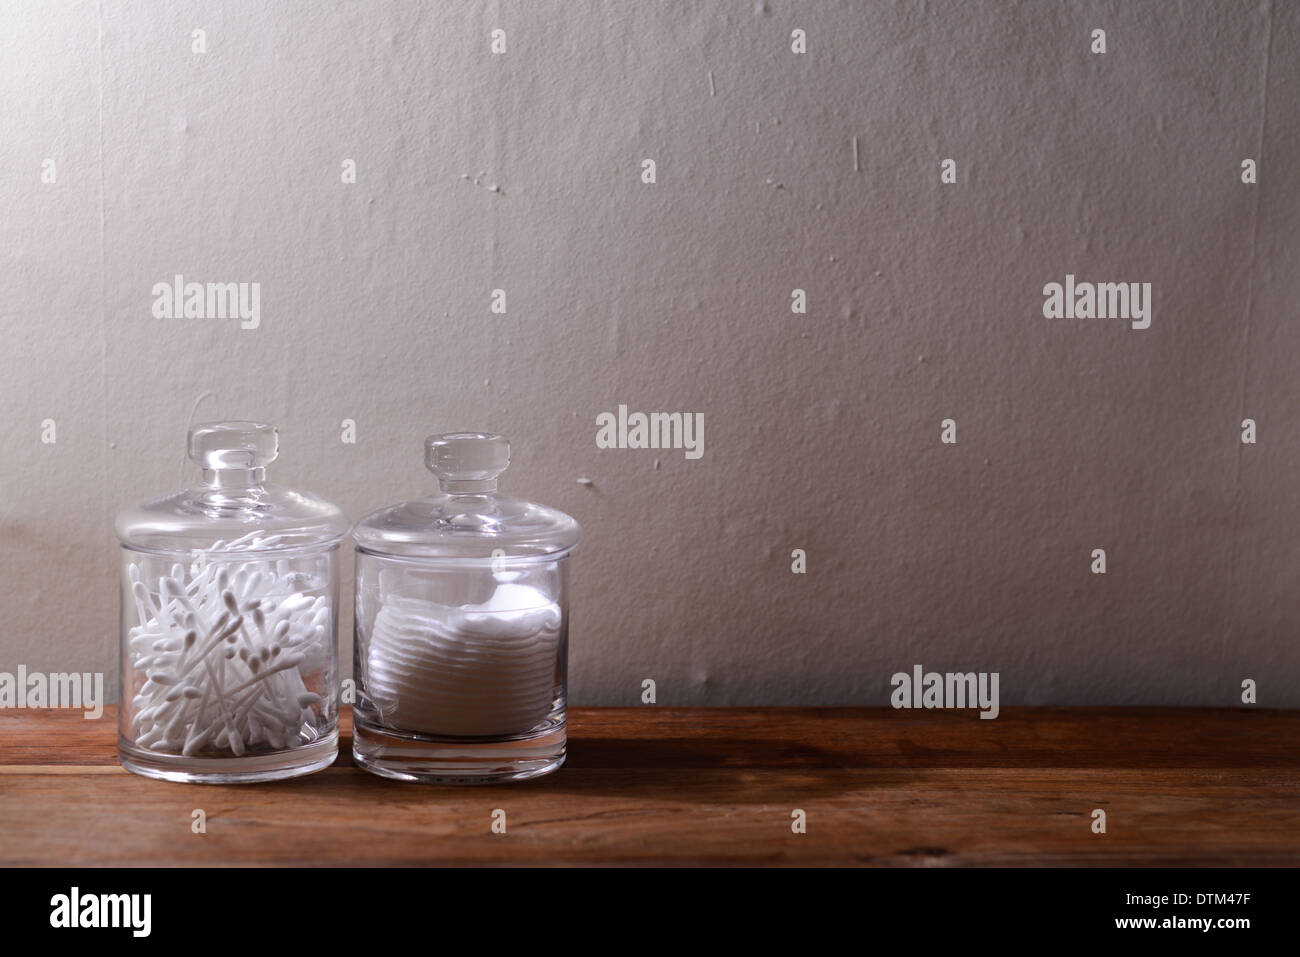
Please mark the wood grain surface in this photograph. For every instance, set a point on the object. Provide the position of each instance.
(683, 786)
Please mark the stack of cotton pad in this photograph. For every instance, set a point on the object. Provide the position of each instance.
(485, 670)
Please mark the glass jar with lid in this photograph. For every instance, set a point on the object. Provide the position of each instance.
(229, 659)
(461, 640)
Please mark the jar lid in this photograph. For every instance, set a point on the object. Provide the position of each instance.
(468, 519)
(233, 509)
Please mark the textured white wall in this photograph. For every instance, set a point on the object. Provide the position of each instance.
(822, 430)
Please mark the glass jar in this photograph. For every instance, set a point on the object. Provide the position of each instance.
(230, 621)
(461, 642)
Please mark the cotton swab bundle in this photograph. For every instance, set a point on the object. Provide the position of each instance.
(484, 670)
(224, 654)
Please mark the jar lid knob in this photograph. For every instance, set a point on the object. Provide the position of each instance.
(467, 462)
(233, 445)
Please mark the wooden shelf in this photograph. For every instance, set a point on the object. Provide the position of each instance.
(655, 785)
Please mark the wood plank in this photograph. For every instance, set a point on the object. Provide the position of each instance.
(709, 786)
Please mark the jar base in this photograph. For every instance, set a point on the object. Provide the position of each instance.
(426, 759)
(248, 769)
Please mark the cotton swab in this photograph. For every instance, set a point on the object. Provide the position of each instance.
(201, 693)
